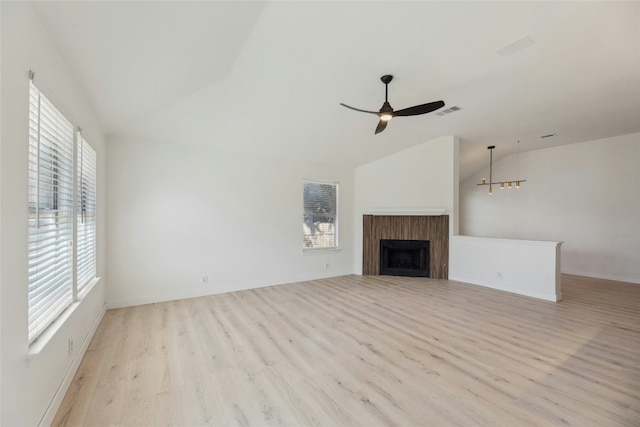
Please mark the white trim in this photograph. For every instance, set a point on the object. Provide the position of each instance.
(624, 279)
(43, 339)
(509, 241)
(317, 251)
(215, 288)
(87, 288)
(408, 211)
(320, 181)
(206, 290)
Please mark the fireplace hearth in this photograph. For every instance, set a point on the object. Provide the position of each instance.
(404, 258)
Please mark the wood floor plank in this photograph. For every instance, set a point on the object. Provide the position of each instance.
(367, 351)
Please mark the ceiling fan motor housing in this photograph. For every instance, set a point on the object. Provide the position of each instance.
(386, 108)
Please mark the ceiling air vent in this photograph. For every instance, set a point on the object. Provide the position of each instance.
(448, 111)
(550, 135)
(515, 46)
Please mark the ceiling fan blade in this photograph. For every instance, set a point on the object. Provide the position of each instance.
(382, 125)
(419, 109)
(357, 109)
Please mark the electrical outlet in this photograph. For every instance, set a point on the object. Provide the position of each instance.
(205, 279)
(70, 346)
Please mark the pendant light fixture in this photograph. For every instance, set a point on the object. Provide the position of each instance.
(509, 183)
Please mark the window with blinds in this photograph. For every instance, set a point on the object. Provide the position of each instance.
(51, 213)
(320, 221)
(62, 214)
(85, 216)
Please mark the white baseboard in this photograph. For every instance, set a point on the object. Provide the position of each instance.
(635, 281)
(52, 410)
(513, 290)
(213, 290)
(175, 296)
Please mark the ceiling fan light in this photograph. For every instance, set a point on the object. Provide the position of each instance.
(386, 117)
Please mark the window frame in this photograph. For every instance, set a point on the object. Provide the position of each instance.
(336, 241)
(50, 213)
(52, 296)
(86, 216)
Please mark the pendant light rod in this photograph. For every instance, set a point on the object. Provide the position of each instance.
(491, 147)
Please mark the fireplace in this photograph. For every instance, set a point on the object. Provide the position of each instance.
(404, 257)
(434, 228)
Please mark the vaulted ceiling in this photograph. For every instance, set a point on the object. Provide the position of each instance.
(267, 77)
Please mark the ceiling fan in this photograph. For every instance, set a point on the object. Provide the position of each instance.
(386, 113)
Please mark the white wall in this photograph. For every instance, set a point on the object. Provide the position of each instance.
(418, 178)
(178, 212)
(524, 267)
(29, 385)
(1, 238)
(586, 195)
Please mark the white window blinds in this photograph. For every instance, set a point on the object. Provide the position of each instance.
(85, 215)
(320, 221)
(51, 213)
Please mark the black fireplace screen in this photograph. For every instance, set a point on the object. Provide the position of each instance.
(404, 258)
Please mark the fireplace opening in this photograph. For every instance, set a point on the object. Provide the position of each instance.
(404, 258)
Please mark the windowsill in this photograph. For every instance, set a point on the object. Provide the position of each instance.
(45, 337)
(41, 342)
(88, 288)
(315, 251)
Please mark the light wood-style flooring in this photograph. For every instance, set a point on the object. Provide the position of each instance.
(368, 351)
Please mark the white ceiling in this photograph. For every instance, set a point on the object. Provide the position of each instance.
(267, 77)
